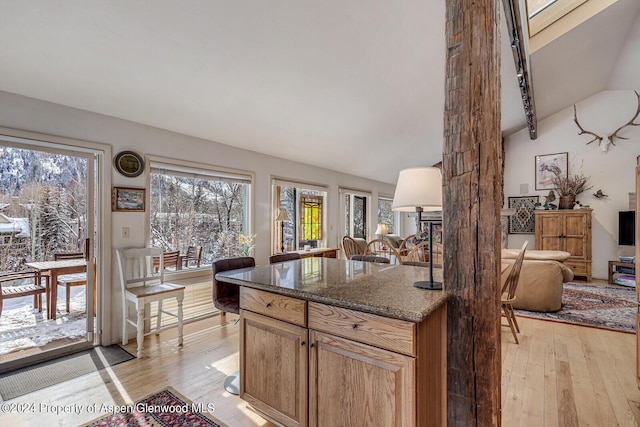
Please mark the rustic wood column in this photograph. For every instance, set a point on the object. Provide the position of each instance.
(472, 203)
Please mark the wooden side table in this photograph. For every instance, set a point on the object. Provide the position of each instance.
(618, 264)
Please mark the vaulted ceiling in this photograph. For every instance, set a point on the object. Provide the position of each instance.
(337, 84)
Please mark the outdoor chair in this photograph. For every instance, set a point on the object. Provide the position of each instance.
(140, 285)
(69, 280)
(169, 259)
(194, 254)
(22, 284)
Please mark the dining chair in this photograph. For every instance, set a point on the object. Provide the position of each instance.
(417, 253)
(170, 259)
(226, 297)
(194, 254)
(140, 285)
(287, 256)
(22, 284)
(68, 281)
(381, 248)
(508, 292)
(370, 258)
(405, 246)
(351, 247)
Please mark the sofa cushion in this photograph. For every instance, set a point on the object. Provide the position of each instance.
(536, 254)
(540, 284)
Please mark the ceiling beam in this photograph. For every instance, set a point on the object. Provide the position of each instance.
(516, 26)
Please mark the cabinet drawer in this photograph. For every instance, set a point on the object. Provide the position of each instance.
(391, 334)
(281, 307)
(578, 268)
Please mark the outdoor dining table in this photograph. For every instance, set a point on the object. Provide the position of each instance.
(55, 269)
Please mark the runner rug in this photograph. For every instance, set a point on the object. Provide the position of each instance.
(167, 408)
(599, 306)
(31, 378)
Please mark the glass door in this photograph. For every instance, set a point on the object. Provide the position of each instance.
(48, 209)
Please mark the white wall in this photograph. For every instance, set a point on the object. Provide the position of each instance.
(33, 115)
(613, 172)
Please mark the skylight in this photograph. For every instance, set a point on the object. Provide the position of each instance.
(543, 13)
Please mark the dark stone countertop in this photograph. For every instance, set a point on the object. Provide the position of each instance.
(382, 289)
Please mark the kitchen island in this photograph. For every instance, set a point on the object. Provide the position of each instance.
(333, 342)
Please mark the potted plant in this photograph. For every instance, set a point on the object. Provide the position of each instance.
(568, 187)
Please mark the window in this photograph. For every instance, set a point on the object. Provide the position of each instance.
(386, 215)
(304, 205)
(354, 207)
(543, 13)
(197, 207)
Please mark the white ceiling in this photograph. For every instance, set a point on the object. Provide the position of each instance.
(333, 83)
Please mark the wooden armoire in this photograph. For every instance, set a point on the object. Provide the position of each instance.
(567, 230)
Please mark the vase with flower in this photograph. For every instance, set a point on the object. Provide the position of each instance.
(569, 186)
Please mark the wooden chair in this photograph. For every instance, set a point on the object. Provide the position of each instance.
(69, 280)
(140, 285)
(22, 284)
(381, 248)
(170, 259)
(226, 297)
(351, 247)
(370, 258)
(508, 293)
(417, 253)
(287, 256)
(405, 246)
(194, 254)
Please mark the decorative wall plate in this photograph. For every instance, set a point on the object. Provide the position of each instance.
(128, 163)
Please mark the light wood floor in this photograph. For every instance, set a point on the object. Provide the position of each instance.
(559, 375)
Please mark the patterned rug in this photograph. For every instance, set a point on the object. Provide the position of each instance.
(167, 408)
(599, 306)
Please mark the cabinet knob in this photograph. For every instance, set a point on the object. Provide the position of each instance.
(302, 343)
(311, 345)
(354, 326)
(268, 304)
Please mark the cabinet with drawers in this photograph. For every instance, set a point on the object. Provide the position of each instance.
(307, 363)
(566, 230)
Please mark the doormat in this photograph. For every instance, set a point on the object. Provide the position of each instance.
(31, 378)
(598, 306)
(166, 408)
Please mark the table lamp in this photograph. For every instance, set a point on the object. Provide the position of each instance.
(419, 190)
(381, 230)
(282, 217)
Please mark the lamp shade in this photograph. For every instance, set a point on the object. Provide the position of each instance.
(418, 188)
(382, 229)
(283, 216)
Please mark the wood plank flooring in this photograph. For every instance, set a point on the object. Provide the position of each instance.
(559, 375)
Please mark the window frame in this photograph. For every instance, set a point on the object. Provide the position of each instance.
(188, 169)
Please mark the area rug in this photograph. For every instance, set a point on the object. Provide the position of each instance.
(599, 306)
(167, 408)
(31, 378)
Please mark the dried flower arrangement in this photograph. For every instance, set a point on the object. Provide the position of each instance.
(569, 185)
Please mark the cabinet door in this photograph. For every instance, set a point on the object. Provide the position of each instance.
(575, 229)
(549, 232)
(273, 368)
(353, 384)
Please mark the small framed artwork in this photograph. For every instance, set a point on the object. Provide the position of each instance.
(129, 164)
(548, 166)
(127, 199)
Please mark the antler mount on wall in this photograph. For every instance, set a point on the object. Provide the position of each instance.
(602, 142)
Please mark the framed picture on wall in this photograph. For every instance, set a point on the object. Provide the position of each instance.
(548, 166)
(127, 199)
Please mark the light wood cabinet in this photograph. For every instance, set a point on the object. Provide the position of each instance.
(340, 367)
(566, 230)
